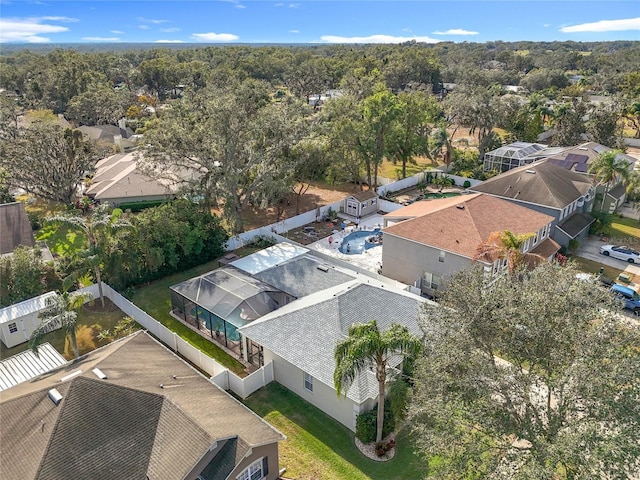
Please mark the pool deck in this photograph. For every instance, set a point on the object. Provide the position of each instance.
(370, 260)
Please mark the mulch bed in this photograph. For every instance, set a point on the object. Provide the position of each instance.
(95, 306)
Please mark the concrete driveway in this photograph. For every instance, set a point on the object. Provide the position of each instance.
(590, 249)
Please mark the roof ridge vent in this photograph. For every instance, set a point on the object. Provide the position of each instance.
(530, 171)
(460, 207)
(99, 373)
(323, 268)
(55, 396)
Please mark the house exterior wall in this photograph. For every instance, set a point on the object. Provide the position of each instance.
(269, 451)
(323, 396)
(115, 202)
(407, 261)
(25, 326)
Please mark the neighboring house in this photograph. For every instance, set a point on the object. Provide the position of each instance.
(579, 159)
(511, 156)
(18, 321)
(300, 338)
(361, 204)
(118, 180)
(550, 189)
(427, 241)
(220, 302)
(132, 409)
(26, 365)
(15, 228)
(120, 135)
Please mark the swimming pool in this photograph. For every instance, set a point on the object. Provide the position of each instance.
(359, 241)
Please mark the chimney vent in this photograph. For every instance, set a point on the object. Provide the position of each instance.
(99, 373)
(460, 207)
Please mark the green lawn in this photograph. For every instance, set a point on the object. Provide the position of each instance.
(86, 342)
(154, 299)
(624, 228)
(318, 447)
(389, 170)
(590, 266)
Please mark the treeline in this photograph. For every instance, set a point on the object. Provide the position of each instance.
(157, 242)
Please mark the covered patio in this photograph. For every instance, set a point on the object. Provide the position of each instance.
(219, 302)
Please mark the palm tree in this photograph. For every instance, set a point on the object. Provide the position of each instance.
(61, 311)
(506, 245)
(100, 220)
(366, 346)
(608, 168)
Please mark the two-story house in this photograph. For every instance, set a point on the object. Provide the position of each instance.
(547, 188)
(427, 241)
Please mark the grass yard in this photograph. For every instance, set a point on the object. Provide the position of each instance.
(85, 334)
(318, 447)
(154, 299)
(590, 266)
(394, 172)
(624, 228)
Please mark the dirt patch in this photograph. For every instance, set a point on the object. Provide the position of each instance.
(95, 306)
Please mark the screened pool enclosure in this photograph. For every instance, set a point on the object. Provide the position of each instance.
(221, 301)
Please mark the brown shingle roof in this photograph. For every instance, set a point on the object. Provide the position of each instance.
(461, 227)
(156, 432)
(546, 248)
(15, 228)
(540, 183)
(364, 195)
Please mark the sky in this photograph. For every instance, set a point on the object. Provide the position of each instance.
(315, 21)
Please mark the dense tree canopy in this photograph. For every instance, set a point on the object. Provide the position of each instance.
(536, 376)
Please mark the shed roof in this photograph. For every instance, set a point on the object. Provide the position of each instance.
(364, 195)
(26, 365)
(27, 307)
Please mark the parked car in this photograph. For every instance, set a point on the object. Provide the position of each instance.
(621, 252)
(629, 296)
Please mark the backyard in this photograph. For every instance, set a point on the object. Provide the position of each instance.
(90, 323)
(318, 447)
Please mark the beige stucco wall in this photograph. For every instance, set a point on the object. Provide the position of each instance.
(323, 396)
(406, 261)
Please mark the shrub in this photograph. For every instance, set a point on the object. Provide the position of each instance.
(573, 245)
(466, 184)
(366, 424)
(139, 206)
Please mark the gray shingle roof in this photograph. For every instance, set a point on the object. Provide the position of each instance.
(550, 185)
(301, 277)
(125, 426)
(576, 223)
(306, 331)
(15, 228)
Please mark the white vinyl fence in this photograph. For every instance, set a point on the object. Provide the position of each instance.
(219, 374)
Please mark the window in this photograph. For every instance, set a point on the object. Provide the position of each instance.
(256, 471)
(13, 328)
(441, 256)
(430, 280)
(373, 201)
(308, 382)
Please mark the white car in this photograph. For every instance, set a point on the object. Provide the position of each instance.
(621, 252)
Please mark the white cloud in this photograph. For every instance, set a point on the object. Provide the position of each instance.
(455, 31)
(117, 32)
(278, 5)
(214, 37)
(406, 30)
(376, 39)
(101, 39)
(30, 30)
(294, 5)
(605, 26)
(144, 27)
(546, 25)
(168, 41)
(239, 6)
(170, 30)
(151, 20)
(294, 31)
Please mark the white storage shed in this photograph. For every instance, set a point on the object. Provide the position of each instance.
(17, 321)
